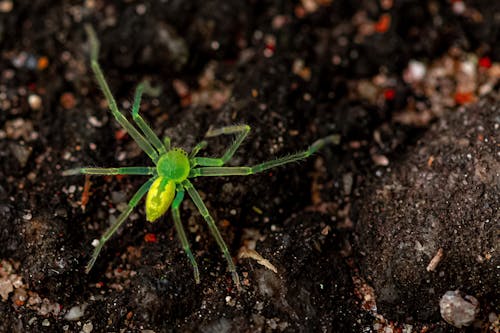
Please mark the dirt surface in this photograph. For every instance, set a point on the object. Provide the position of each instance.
(440, 202)
(398, 81)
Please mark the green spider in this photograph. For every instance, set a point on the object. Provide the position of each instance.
(174, 167)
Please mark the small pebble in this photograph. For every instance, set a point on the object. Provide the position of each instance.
(457, 310)
(87, 327)
(6, 6)
(76, 312)
(415, 72)
(35, 102)
(68, 100)
(46, 323)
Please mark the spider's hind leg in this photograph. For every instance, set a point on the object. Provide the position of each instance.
(119, 221)
(213, 229)
(182, 234)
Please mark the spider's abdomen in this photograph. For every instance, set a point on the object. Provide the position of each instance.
(159, 198)
(174, 165)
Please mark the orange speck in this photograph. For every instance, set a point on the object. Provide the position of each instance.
(255, 93)
(99, 284)
(464, 97)
(120, 134)
(186, 101)
(130, 314)
(86, 191)
(383, 24)
(480, 137)
(68, 100)
(150, 238)
(119, 177)
(484, 62)
(430, 161)
(225, 223)
(43, 62)
(300, 12)
(18, 302)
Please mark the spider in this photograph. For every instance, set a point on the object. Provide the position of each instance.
(173, 169)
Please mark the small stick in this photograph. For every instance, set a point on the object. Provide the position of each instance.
(435, 261)
(86, 192)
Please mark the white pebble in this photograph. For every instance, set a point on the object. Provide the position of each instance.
(87, 327)
(76, 312)
(416, 71)
(457, 310)
(35, 102)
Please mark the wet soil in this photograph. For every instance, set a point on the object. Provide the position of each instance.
(398, 81)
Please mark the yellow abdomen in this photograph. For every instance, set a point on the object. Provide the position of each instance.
(159, 198)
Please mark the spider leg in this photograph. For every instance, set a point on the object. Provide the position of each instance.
(181, 233)
(201, 145)
(120, 118)
(213, 229)
(144, 127)
(249, 170)
(166, 142)
(241, 132)
(111, 171)
(119, 221)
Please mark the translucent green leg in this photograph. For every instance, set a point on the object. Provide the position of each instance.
(166, 142)
(146, 130)
(182, 235)
(119, 221)
(201, 145)
(245, 170)
(241, 132)
(111, 171)
(120, 118)
(213, 229)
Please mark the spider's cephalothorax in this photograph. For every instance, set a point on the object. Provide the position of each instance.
(174, 167)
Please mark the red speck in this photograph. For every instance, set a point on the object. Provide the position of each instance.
(383, 24)
(464, 97)
(389, 94)
(485, 62)
(150, 238)
(32, 86)
(119, 177)
(271, 47)
(99, 284)
(120, 134)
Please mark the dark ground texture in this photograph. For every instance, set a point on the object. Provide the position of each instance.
(371, 211)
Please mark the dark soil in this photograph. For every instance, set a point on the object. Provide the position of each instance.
(344, 221)
(444, 195)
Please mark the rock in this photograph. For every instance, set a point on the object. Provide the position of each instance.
(444, 194)
(457, 310)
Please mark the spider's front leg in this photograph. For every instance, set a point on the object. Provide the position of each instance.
(120, 118)
(250, 170)
(213, 229)
(145, 128)
(111, 171)
(241, 132)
